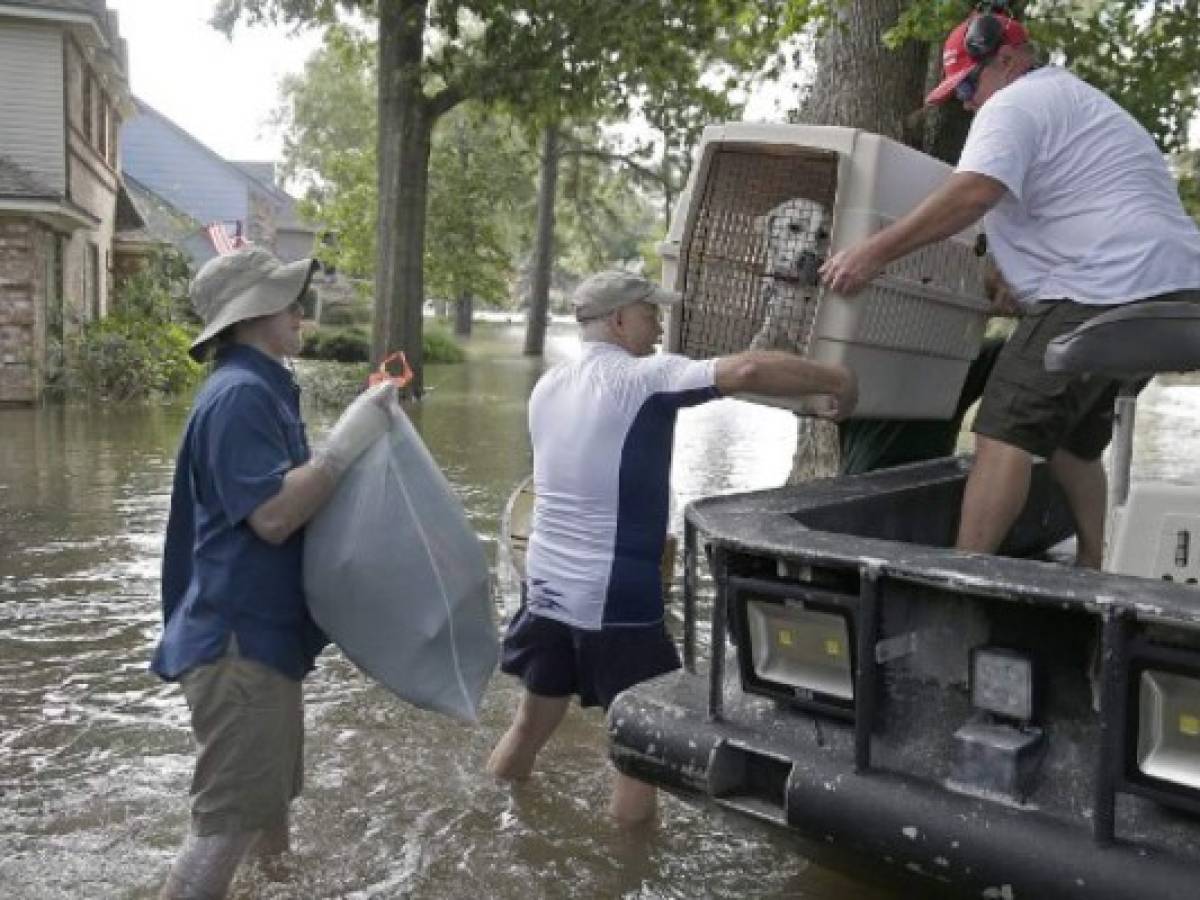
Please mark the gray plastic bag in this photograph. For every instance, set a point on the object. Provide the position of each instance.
(397, 578)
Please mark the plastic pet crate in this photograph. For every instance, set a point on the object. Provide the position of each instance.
(764, 206)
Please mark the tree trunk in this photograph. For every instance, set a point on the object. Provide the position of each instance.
(946, 125)
(860, 83)
(405, 134)
(543, 257)
(462, 314)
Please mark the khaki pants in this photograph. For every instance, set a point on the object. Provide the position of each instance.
(248, 720)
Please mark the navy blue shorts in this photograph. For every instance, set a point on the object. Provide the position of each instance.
(554, 659)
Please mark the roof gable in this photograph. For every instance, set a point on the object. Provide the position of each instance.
(191, 175)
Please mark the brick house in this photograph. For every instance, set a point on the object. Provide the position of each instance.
(64, 91)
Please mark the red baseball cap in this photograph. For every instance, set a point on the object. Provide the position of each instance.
(957, 62)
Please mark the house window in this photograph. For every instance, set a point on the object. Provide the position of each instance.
(54, 288)
(85, 113)
(113, 124)
(103, 120)
(91, 287)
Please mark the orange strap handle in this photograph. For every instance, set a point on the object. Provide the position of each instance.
(382, 374)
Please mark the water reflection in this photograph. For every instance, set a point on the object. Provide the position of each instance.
(95, 753)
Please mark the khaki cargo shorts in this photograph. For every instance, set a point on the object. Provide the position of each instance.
(1025, 406)
(248, 720)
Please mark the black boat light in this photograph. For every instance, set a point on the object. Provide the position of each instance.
(796, 643)
(1159, 719)
(1168, 734)
(1002, 683)
(999, 750)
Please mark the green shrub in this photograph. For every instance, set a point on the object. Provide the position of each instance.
(338, 344)
(347, 314)
(158, 291)
(330, 384)
(440, 347)
(354, 345)
(140, 351)
(127, 357)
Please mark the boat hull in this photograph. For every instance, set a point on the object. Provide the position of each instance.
(901, 829)
(887, 773)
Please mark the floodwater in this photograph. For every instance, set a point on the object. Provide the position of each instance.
(95, 753)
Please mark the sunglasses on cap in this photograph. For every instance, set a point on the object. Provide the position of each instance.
(966, 88)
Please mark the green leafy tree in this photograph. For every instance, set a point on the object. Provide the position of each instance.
(479, 173)
(543, 60)
(605, 204)
(329, 123)
(674, 102)
(481, 183)
(480, 179)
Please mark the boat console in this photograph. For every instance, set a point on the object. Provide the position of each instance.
(926, 713)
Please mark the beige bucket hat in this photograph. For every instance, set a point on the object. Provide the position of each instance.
(244, 285)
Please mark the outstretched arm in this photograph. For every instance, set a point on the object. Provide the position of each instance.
(960, 202)
(779, 374)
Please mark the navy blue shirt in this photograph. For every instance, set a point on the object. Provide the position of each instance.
(219, 578)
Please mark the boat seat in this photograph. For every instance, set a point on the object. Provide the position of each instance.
(1132, 341)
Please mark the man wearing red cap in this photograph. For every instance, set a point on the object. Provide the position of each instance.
(1081, 214)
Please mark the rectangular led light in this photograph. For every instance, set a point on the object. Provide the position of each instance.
(1002, 682)
(1168, 741)
(801, 648)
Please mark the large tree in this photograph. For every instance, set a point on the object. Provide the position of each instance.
(674, 103)
(543, 59)
(859, 82)
(480, 181)
(327, 118)
(481, 187)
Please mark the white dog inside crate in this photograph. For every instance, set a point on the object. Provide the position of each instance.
(797, 240)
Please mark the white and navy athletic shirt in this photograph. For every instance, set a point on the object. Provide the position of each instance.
(602, 429)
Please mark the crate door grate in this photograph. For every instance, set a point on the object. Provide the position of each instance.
(749, 261)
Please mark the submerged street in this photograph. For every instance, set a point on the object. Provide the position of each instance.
(95, 752)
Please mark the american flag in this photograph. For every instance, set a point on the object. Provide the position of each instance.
(222, 242)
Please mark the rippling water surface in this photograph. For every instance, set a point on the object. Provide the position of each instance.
(95, 753)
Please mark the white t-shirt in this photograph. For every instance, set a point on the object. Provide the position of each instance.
(1092, 213)
(602, 429)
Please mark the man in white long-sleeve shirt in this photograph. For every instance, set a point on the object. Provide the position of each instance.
(591, 623)
(1081, 214)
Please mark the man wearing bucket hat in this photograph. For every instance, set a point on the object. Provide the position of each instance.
(1081, 214)
(591, 618)
(237, 634)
